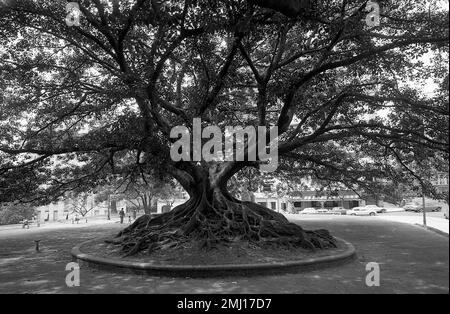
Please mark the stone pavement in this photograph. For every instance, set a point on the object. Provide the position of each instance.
(411, 259)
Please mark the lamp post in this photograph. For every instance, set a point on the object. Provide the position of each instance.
(109, 208)
(423, 209)
(424, 212)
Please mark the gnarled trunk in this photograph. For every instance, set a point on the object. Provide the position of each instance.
(212, 217)
(146, 203)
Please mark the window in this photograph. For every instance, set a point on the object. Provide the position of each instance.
(297, 204)
(353, 204)
(316, 204)
(443, 179)
(329, 204)
(283, 206)
(273, 205)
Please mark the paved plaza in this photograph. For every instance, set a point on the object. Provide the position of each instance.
(411, 259)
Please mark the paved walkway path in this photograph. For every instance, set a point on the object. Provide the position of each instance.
(434, 222)
(18, 229)
(412, 260)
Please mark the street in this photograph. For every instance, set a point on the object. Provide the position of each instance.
(434, 219)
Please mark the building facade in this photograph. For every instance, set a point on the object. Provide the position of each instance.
(345, 198)
(440, 182)
(63, 210)
(298, 201)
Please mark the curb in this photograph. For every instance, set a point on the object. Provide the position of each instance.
(439, 232)
(213, 270)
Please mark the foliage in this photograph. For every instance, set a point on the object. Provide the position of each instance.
(144, 194)
(14, 214)
(82, 204)
(83, 103)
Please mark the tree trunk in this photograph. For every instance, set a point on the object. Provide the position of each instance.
(146, 203)
(213, 217)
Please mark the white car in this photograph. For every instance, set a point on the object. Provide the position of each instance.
(378, 209)
(338, 210)
(411, 207)
(322, 211)
(309, 210)
(394, 209)
(363, 211)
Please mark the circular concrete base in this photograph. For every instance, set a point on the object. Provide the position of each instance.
(348, 254)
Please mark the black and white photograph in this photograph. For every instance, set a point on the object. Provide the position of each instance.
(225, 154)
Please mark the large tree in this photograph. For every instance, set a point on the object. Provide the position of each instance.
(80, 104)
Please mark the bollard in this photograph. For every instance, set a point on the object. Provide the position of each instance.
(37, 245)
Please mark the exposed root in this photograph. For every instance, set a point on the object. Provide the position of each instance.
(216, 220)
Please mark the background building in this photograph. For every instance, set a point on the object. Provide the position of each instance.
(440, 182)
(344, 198)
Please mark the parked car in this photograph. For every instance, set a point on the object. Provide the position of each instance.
(338, 211)
(309, 210)
(410, 207)
(394, 209)
(322, 211)
(378, 209)
(362, 211)
(419, 208)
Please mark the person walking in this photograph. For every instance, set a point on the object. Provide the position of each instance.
(26, 223)
(121, 215)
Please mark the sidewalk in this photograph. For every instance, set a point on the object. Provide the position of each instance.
(438, 223)
(434, 222)
(11, 230)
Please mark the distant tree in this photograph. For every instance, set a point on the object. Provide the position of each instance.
(82, 204)
(144, 195)
(14, 213)
(443, 196)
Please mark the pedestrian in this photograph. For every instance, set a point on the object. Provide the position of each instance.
(121, 215)
(129, 218)
(26, 223)
(134, 214)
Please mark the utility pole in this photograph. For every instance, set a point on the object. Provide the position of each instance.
(109, 208)
(424, 212)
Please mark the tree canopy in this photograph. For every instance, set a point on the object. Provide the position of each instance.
(82, 104)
